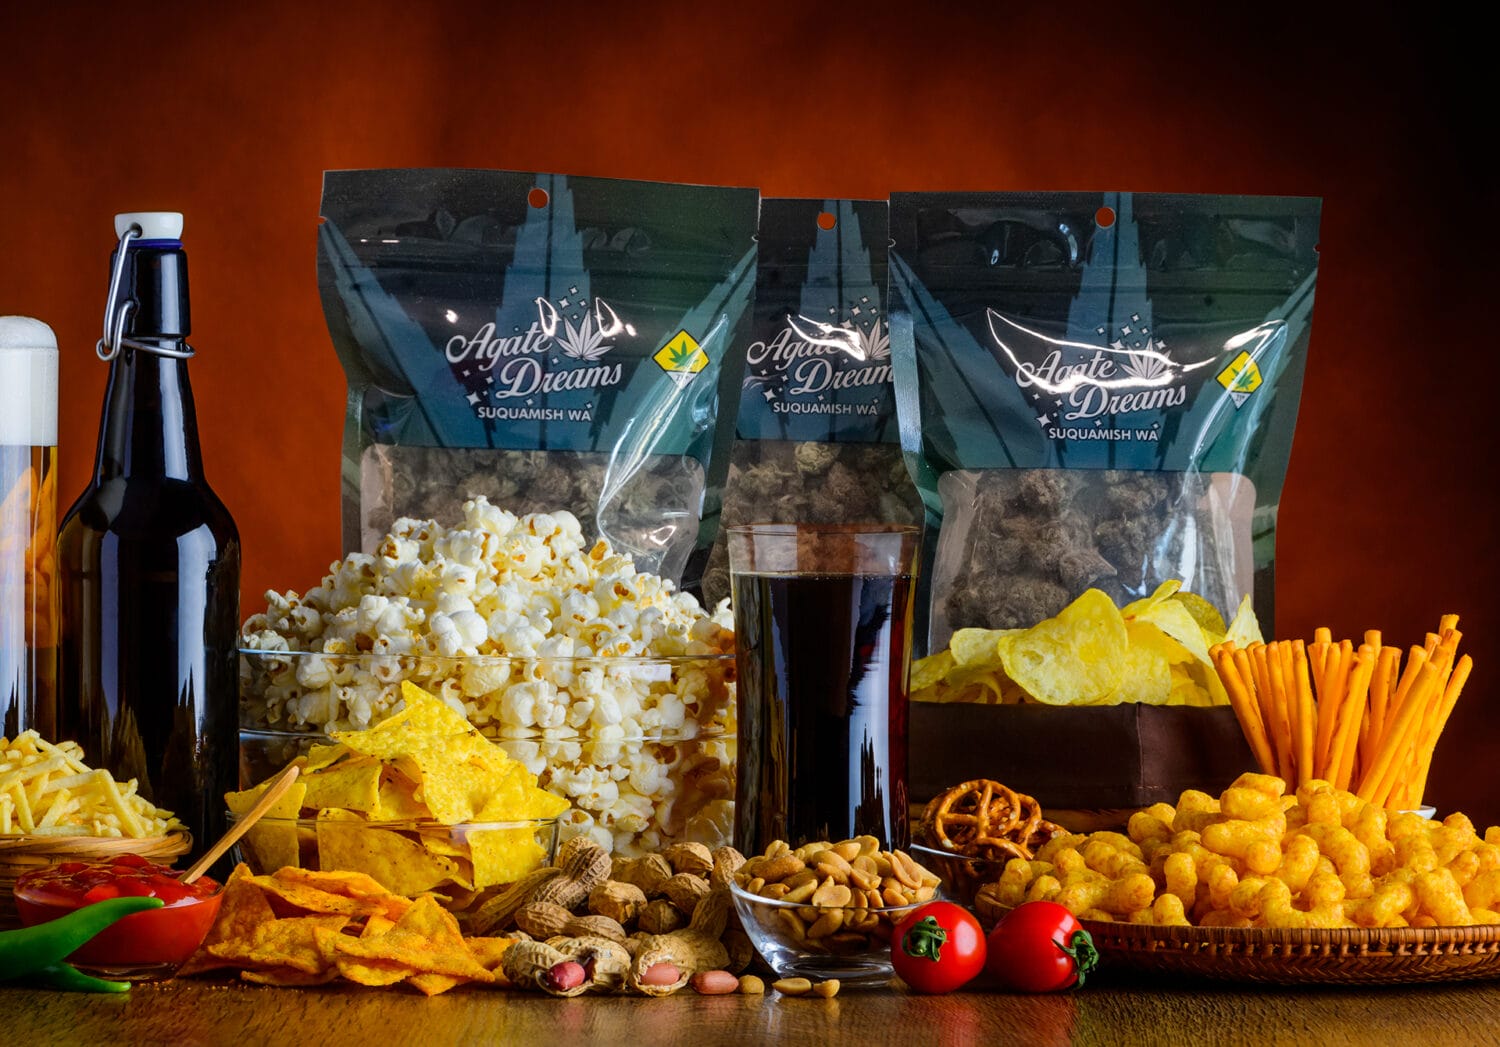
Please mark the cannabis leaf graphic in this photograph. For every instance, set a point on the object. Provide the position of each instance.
(682, 355)
(1147, 364)
(584, 342)
(876, 342)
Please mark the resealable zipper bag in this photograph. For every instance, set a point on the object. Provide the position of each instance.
(816, 438)
(1097, 390)
(549, 341)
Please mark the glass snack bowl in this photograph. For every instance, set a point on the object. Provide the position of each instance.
(141, 946)
(962, 877)
(643, 748)
(856, 948)
(407, 857)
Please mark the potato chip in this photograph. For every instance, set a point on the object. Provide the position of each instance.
(1244, 627)
(1147, 676)
(977, 648)
(347, 841)
(1075, 658)
(1165, 591)
(929, 672)
(1205, 614)
(1173, 619)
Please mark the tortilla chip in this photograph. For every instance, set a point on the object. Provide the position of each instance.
(504, 855)
(271, 842)
(353, 785)
(376, 925)
(242, 909)
(373, 972)
(431, 984)
(288, 942)
(288, 976)
(398, 799)
(346, 841)
(489, 951)
(426, 938)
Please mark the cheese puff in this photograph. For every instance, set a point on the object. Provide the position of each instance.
(1249, 804)
(1081, 895)
(1313, 787)
(1043, 888)
(1323, 891)
(1049, 850)
(1263, 857)
(1276, 911)
(1350, 857)
(1461, 822)
(1097, 915)
(1128, 894)
(1222, 880)
(1483, 891)
(1103, 857)
(1424, 921)
(1168, 911)
(1488, 855)
(1323, 808)
(1464, 867)
(1014, 879)
(1165, 813)
(1441, 898)
(1144, 916)
(1492, 835)
(1244, 900)
(1449, 841)
(1234, 836)
(1195, 810)
(1414, 851)
(1180, 874)
(1268, 784)
(1384, 907)
(1485, 916)
(1299, 860)
(1369, 829)
(1070, 867)
(1119, 841)
(1405, 823)
(1146, 829)
(1223, 918)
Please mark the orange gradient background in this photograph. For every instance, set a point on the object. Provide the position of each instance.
(231, 117)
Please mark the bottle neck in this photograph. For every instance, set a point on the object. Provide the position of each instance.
(149, 429)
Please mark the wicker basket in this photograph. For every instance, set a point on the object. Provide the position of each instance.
(20, 854)
(1351, 956)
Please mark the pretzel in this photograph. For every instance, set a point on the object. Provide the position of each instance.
(982, 819)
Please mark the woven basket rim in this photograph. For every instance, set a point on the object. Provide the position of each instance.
(1136, 935)
(29, 844)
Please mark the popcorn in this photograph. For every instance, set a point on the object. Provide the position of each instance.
(510, 620)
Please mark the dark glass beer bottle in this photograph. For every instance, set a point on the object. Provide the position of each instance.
(149, 558)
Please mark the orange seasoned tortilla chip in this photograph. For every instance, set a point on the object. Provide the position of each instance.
(431, 984)
(373, 972)
(242, 909)
(489, 951)
(426, 938)
(376, 925)
(288, 977)
(346, 841)
(290, 942)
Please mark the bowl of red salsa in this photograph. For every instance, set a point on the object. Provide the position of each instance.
(155, 942)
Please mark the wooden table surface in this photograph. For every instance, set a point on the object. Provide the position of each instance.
(1112, 1012)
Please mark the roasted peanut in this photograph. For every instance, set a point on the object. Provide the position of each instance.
(661, 917)
(750, 985)
(689, 857)
(792, 986)
(543, 920)
(714, 983)
(620, 901)
(661, 974)
(827, 989)
(684, 890)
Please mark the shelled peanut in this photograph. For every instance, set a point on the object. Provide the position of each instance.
(668, 912)
(834, 897)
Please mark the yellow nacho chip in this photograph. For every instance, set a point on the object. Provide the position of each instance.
(503, 855)
(270, 843)
(347, 841)
(352, 785)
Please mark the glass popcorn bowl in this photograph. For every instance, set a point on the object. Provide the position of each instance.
(410, 856)
(857, 953)
(643, 748)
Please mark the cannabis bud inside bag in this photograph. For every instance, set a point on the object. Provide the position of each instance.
(549, 342)
(1099, 391)
(817, 440)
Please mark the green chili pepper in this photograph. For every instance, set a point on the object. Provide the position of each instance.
(31, 949)
(67, 978)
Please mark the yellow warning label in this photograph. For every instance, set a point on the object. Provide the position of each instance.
(1241, 376)
(681, 355)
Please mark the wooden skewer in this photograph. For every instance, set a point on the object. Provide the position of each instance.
(279, 785)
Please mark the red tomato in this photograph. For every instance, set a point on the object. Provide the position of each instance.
(938, 948)
(1040, 947)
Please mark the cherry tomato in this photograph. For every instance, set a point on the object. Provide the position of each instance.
(938, 948)
(1040, 947)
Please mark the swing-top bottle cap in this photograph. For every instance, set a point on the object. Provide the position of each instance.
(155, 225)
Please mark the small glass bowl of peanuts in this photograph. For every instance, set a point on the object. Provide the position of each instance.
(827, 910)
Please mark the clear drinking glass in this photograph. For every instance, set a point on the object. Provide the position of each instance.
(823, 621)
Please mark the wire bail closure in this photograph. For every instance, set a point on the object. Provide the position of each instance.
(109, 346)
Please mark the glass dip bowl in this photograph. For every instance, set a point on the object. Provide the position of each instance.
(141, 946)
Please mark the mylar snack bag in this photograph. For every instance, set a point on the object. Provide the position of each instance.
(1097, 390)
(816, 439)
(548, 341)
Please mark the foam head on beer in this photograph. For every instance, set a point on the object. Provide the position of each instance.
(28, 382)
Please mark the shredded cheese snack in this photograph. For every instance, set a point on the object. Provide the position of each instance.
(517, 624)
(47, 790)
